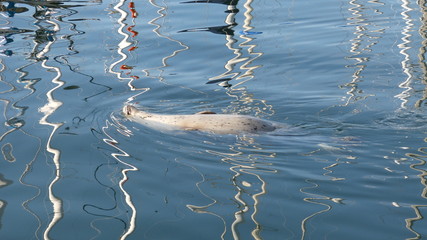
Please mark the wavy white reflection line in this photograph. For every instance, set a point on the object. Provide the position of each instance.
(27, 170)
(128, 199)
(246, 164)
(256, 232)
(230, 41)
(422, 52)
(238, 215)
(406, 32)
(249, 70)
(316, 198)
(162, 10)
(2, 68)
(237, 169)
(48, 109)
(359, 21)
(203, 209)
(238, 91)
(124, 43)
(418, 166)
(156, 30)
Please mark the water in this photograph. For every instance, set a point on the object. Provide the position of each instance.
(348, 77)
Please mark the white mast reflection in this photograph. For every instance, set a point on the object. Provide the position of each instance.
(249, 164)
(243, 164)
(356, 49)
(421, 157)
(124, 43)
(252, 170)
(406, 32)
(421, 56)
(246, 61)
(48, 109)
(249, 70)
(128, 198)
(230, 41)
(238, 91)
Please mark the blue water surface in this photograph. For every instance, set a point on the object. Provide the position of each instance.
(348, 78)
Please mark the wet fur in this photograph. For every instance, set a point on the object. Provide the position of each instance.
(203, 121)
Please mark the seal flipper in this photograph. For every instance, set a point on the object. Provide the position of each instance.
(206, 112)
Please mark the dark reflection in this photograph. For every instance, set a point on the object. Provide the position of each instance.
(3, 181)
(3, 204)
(226, 2)
(231, 3)
(5, 38)
(219, 80)
(7, 32)
(15, 122)
(226, 30)
(240, 68)
(72, 87)
(43, 35)
(105, 211)
(112, 176)
(10, 8)
(48, 4)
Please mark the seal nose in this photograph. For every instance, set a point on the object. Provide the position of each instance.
(127, 110)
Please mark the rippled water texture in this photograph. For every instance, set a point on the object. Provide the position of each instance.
(348, 78)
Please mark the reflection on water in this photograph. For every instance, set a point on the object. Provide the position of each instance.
(422, 53)
(411, 223)
(182, 47)
(414, 91)
(406, 40)
(128, 168)
(21, 115)
(247, 163)
(243, 100)
(48, 109)
(240, 68)
(248, 193)
(413, 64)
(366, 35)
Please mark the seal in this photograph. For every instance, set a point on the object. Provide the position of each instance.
(203, 121)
